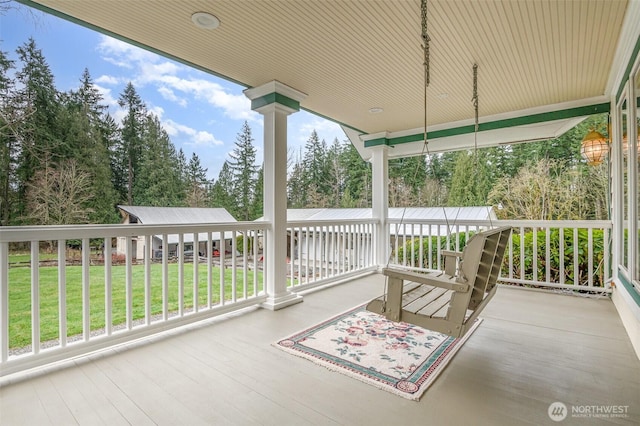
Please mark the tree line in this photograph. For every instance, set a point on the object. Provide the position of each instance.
(546, 180)
(64, 159)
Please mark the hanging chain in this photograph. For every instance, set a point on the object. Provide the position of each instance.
(427, 77)
(474, 100)
(426, 40)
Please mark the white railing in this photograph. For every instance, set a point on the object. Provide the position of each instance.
(64, 302)
(69, 293)
(322, 251)
(559, 254)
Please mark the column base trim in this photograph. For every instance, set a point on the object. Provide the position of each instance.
(281, 301)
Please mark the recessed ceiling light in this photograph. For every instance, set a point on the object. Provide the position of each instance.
(205, 20)
(376, 110)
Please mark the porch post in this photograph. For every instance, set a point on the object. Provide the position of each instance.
(275, 102)
(380, 202)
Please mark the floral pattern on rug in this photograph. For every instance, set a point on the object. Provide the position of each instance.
(399, 357)
(390, 348)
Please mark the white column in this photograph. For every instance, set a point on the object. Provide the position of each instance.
(380, 202)
(275, 102)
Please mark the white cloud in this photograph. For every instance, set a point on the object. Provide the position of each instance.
(173, 128)
(152, 72)
(174, 81)
(106, 95)
(118, 115)
(170, 95)
(107, 79)
(206, 139)
(158, 111)
(234, 106)
(193, 136)
(123, 54)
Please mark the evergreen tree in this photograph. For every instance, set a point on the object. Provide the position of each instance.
(244, 169)
(296, 190)
(471, 183)
(84, 114)
(196, 183)
(222, 189)
(8, 140)
(110, 131)
(130, 149)
(316, 167)
(110, 136)
(89, 98)
(357, 178)
(335, 174)
(181, 165)
(158, 181)
(38, 128)
(500, 159)
(258, 200)
(408, 176)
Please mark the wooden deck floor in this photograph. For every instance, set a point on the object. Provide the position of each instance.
(532, 349)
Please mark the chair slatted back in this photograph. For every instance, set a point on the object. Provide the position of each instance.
(480, 266)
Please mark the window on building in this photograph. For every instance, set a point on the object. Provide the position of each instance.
(635, 133)
(624, 123)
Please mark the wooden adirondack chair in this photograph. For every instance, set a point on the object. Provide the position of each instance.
(451, 300)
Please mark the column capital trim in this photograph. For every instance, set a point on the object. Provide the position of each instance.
(381, 139)
(275, 92)
(275, 98)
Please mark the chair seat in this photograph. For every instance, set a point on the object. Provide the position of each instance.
(422, 299)
(446, 301)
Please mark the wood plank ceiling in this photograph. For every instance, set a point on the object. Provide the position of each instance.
(350, 56)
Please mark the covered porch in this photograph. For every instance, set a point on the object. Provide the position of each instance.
(192, 345)
(532, 349)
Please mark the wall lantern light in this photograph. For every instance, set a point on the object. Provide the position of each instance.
(594, 148)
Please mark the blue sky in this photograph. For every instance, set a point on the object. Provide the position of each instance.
(201, 113)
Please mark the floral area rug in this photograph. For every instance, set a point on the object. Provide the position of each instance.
(397, 357)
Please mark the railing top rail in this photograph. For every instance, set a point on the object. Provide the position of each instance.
(514, 223)
(329, 222)
(557, 223)
(10, 234)
(40, 233)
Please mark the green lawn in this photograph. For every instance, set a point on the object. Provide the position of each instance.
(20, 296)
(26, 257)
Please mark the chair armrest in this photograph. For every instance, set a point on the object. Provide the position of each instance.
(451, 253)
(451, 261)
(433, 280)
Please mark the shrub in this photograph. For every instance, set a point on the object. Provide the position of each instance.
(571, 276)
(118, 259)
(240, 244)
(412, 249)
